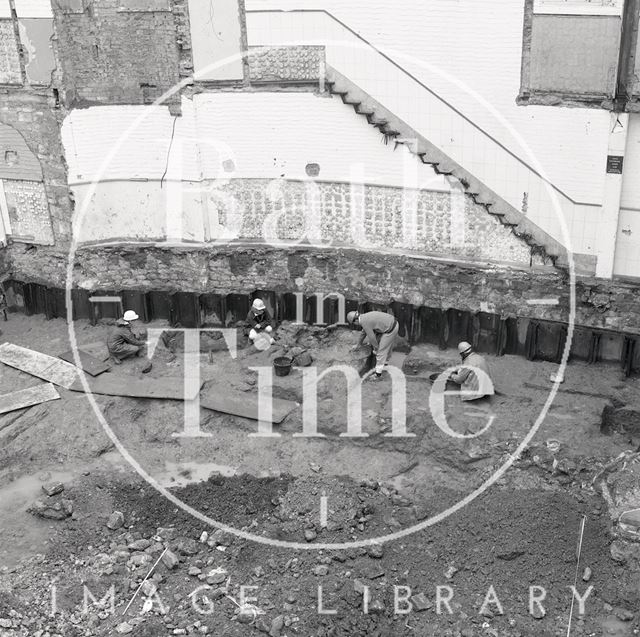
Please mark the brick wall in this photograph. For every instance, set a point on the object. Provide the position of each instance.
(110, 55)
(358, 275)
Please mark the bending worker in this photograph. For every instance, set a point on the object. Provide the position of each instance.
(473, 375)
(259, 321)
(376, 324)
(122, 343)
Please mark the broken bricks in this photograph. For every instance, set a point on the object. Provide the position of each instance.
(115, 521)
(59, 510)
(53, 488)
(170, 560)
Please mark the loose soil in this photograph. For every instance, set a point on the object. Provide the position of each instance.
(520, 533)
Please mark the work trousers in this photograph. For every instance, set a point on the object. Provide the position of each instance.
(385, 347)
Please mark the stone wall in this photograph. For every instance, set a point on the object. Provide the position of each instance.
(10, 71)
(358, 275)
(115, 52)
(286, 64)
(28, 211)
(33, 114)
(446, 224)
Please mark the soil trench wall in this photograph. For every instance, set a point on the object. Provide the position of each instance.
(435, 301)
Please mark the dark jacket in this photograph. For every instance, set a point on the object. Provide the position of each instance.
(255, 319)
(120, 336)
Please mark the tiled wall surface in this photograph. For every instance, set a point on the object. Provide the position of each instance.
(482, 87)
(627, 257)
(255, 135)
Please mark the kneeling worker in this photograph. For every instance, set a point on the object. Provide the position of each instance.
(376, 324)
(259, 321)
(122, 342)
(472, 385)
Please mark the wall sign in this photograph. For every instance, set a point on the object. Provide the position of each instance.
(614, 164)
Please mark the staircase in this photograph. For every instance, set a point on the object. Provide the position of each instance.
(402, 107)
(393, 127)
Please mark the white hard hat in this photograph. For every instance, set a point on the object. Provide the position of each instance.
(464, 347)
(258, 304)
(130, 315)
(352, 316)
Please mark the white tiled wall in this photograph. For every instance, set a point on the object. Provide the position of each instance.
(627, 258)
(433, 39)
(266, 135)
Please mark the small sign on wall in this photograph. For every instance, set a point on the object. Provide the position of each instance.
(614, 164)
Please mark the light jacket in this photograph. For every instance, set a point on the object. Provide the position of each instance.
(476, 385)
(376, 323)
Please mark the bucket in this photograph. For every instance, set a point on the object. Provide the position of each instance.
(282, 365)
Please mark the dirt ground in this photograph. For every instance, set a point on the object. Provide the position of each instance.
(516, 540)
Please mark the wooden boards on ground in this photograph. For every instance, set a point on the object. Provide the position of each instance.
(115, 385)
(27, 397)
(566, 390)
(38, 364)
(242, 404)
(88, 363)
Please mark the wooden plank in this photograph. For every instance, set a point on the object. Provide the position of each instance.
(28, 397)
(114, 385)
(242, 404)
(38, 364)
(566, 390)
(88, 363)
(97, 349)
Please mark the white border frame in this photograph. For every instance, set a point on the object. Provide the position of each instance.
(570, 7)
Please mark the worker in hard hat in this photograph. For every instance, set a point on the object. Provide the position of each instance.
(122, 342)
(259, 321)
(473, 375)
(380, 330)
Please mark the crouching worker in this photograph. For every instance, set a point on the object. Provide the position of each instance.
(374, 325)
(259, 321)
(122, 343)
(473, 375)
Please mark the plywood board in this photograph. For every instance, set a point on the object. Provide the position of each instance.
(38, 364)
(88, 363)
(97, 349)
(113, 385)
(27, 397)
(242, 404)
